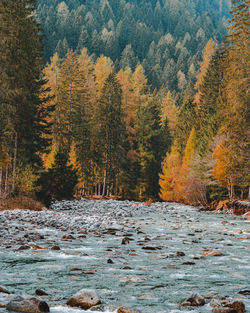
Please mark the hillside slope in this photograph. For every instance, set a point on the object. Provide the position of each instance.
(166, 36)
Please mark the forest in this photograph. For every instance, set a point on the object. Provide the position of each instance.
(138, 100)
(166, 37)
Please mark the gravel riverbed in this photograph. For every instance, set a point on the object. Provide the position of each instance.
(149, 258)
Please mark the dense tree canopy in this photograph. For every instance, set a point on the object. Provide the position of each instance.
(165, 36)
(91, 122)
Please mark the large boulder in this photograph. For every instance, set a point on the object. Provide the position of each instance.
(84, 299)
(27, 305)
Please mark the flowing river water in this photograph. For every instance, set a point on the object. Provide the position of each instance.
(145, 257)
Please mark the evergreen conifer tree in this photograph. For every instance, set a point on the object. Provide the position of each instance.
(59, 181)
(154, 141)
(110, 130)
(22, 93)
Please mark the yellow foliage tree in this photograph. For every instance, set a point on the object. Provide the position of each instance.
(169, 179)
(87, 74)
(125, 79)
(169, 112)
(49, 159)
(75, 165)
(189, 150)
(103, 67)
(189, 153)
(225, 171)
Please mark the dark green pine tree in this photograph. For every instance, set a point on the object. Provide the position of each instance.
(58, 182)
(110, 131)
(82, 131)
(154, 141)
(187, 119)
(21, 84)
(208, 117)
(128, 58)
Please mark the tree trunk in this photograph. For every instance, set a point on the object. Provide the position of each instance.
(1, 179)
(14, 165)
(230, 188)
(242, 193)
(111, 188)
(6, 181)
(232, 192)
(104, 182)
(70, 104)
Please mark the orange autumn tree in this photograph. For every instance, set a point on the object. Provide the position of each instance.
(225, 169)
(169, 179)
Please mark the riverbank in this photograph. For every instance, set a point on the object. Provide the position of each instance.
(21, 203)
(148, 258)
(236, 207)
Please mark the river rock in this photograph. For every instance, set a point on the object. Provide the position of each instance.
(227, 307)
(126, 310)
(27, 305)
(244, 292)
(212, 253)
(55, 248)
(85, 299)
(68, 237)
(224, 310)
(103, 308)
(214, 295)
(193, 300)
(4, 290)
(23, 247)
(40, 292)
(180, 253)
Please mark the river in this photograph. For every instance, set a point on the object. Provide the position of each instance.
(145, 257)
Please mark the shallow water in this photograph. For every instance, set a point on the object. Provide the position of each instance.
(157, 281)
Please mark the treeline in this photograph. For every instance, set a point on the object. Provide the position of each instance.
(165, 36)
(209, 158)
